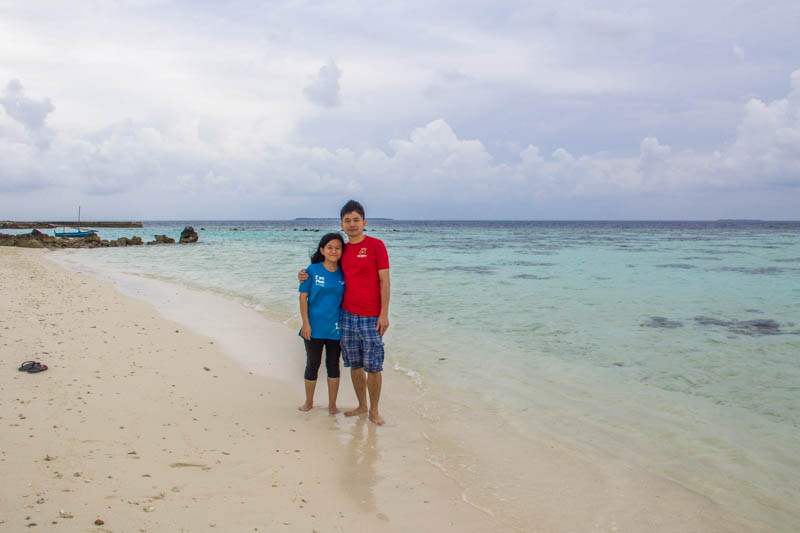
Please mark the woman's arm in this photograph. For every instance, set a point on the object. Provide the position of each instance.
(305, 331)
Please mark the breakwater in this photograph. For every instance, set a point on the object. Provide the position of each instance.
(11, 224)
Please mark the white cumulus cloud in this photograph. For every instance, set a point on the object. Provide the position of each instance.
(431, 170)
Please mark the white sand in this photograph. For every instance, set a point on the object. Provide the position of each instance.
(150, 426)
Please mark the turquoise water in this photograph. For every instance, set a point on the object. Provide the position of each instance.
(675, 344)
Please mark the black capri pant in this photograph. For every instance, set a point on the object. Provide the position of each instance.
(314, 357)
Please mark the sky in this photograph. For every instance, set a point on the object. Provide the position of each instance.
(200, 110)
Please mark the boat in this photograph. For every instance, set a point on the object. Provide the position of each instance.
(81, 233)
(78, 231)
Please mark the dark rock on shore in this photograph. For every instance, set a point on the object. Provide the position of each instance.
(162, 239)
(124, 241)
(37, 239)
(188, 235)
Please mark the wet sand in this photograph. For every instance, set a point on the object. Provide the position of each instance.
(147, 425)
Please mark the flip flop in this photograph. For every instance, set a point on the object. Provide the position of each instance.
(27, 365)
(37, 367)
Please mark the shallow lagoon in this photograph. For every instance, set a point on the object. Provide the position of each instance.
(672, 344)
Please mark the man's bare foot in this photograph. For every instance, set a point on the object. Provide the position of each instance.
(333, 409)
(356, 411)
(306, 406)
(376, 418)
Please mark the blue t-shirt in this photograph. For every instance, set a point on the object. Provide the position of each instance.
(325, 291)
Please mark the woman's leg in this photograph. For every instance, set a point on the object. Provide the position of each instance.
(332, 352)
(313, 360)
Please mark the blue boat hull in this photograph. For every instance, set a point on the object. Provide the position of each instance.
(74, 233)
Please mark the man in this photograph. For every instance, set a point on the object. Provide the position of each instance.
(365, 309)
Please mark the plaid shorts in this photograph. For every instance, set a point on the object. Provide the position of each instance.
(362, 347)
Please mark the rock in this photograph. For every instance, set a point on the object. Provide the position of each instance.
(29, 243)
(98, 522)
(37, 239)
(757, 327)
(124, 241)
(710, 321)
(162, 239)
(188, 235)
(8, 240)
(661, 322)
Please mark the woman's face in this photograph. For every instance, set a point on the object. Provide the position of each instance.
(332, 251)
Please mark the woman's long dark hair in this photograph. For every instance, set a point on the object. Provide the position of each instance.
(317, 256)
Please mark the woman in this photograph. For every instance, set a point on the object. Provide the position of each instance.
(320, 303)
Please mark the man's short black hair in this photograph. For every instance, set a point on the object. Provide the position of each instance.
(351, 206)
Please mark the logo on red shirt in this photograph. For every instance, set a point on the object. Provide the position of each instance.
(362, 253)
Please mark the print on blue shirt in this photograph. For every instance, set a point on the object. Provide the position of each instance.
(325, 291)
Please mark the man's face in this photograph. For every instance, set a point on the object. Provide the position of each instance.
(353, 224)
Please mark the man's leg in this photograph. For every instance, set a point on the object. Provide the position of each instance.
(374, 382)
(359, 379)
(373, 366)
(352, 356)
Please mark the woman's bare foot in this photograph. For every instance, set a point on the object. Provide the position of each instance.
(332, 409)
(356, 411)
(306, 406)
(376, 418)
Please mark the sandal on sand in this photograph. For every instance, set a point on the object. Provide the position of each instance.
(27, 365)
(37, 367)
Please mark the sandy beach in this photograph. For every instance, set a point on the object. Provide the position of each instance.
(146, 424)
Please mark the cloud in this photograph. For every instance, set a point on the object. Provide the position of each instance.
(767, 141)
(738, 51)
(430, 171)
(323, 89)
(29, 112)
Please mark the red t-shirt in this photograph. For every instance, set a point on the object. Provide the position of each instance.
(360, 265)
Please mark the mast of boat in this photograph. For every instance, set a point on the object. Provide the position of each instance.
(79, 218)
